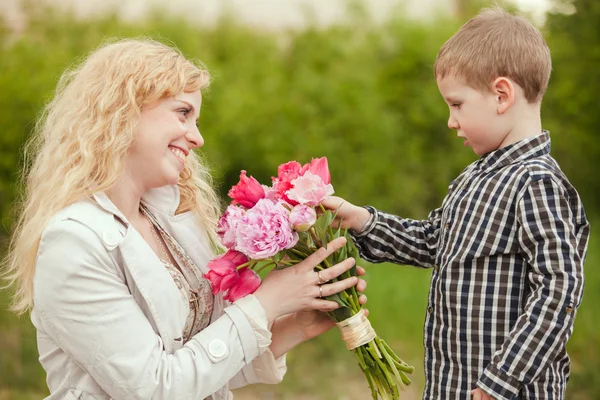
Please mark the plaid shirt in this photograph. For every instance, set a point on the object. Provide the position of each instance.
(507, 248)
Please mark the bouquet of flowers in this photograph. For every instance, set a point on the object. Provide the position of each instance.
(278, 226)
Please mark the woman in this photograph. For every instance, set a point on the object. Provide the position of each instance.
(117, 227)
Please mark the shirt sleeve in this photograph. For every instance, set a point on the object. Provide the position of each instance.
(89, 312)
(389, 238)
(549, 238)
(264, 368)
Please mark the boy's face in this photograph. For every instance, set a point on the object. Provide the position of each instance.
(473, 114)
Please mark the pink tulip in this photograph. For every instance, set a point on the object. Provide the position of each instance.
(248, 282)
(247, 192)
(319, 167)
(302, 218)
(309, 189)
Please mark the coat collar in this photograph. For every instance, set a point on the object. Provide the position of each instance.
(164, 199)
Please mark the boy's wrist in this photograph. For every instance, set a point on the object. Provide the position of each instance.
(365, 222)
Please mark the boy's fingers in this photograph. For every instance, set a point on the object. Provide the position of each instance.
(361, 285)
(362, 299)
(360, 271)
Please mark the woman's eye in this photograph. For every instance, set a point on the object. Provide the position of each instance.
(456, 105)
(184, 111)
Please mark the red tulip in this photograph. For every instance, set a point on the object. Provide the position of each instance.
(236, 257)
(319, 167)
(247, 192)
(223, 273)
(248, 282)
(226, 278)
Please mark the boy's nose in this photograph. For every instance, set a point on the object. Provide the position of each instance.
(453, 123)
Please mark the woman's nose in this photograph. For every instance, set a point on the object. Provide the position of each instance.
(195, 137)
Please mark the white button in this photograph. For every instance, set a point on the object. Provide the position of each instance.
(217, 348)
(110, 239)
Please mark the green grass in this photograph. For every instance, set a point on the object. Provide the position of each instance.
(323, 368)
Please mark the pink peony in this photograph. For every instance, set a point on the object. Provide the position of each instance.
(309, 189)
(302, 217)
(227, 225)
(318, 166)
(286, 173)
(265, 230)
(248, 283)
(247, 192)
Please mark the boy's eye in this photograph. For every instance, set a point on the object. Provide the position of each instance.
(455, 105)
(184, 111)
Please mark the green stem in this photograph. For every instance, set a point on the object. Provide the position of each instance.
(315, 237)
(390, 362)
(371, 347)
(371, 384)
(245, 264)
(298, 252)
(264, 266)
(405, 379)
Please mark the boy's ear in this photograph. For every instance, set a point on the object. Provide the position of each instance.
(504, 91)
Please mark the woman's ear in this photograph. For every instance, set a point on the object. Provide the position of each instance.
(504, 92)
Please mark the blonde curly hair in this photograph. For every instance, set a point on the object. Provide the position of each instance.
(82, 136)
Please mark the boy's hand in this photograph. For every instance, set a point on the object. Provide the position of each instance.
(479, 394)
(351, 216)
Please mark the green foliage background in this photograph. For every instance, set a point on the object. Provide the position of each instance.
(360, 93)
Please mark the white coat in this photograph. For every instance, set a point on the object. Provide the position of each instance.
(109, 317)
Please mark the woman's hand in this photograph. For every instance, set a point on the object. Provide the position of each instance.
(293, 329)
(351, 216)
(300, 288)
(314, 323)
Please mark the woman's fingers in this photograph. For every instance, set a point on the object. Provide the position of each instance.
(338, 269)
(360, 271)
(323, 305)
(335, 287)
(318, 256)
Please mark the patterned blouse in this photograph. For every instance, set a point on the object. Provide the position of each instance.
(195, 289)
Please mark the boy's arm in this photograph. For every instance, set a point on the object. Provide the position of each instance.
(399, 240)
(554, 245)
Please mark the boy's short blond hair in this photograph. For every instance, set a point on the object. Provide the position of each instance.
(494, 44)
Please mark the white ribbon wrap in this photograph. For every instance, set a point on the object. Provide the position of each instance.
(356, 330)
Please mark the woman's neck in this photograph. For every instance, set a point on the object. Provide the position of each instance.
(126, 195)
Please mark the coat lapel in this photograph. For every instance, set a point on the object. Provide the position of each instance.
(152, 284)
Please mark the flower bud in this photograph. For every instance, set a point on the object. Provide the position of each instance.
(302, 218)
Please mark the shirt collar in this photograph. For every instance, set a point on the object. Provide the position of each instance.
(522, 150)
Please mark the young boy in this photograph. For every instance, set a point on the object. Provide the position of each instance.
(508, 243)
